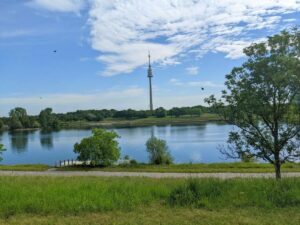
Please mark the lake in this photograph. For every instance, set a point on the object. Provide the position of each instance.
(186, 143)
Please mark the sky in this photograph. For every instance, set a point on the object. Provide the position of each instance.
(92, 54)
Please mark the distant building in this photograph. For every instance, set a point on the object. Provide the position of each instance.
(150, 75)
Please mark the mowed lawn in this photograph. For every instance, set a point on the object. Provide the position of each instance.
(94, 200)
(238, 167)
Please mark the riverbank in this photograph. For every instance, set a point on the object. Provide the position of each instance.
(94, 200)
(24, 167)
(237, 167)
(151, 121)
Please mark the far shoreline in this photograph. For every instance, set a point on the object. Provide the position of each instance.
(133, 123)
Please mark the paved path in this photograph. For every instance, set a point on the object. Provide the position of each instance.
(144, 174)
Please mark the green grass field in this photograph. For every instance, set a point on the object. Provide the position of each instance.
(237, 167)
(91, 200)
(113, 122)
(192, 168)
(25, 167)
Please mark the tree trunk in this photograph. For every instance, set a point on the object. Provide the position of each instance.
(277, 166)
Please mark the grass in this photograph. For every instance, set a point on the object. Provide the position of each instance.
(25, 167)
(115, 122)
(92, 200)
(158, 215)
(237, 167)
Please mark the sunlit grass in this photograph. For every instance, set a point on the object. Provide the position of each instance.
(94, 200)
(237, 167)
(25, 167)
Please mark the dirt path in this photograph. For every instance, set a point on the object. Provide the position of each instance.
(144, 174)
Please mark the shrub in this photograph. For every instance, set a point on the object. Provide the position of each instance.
(133, 162)
(100, 149)
(1, 150)
(158, 151)
(193, 193)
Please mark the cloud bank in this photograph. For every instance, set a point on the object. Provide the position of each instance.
(124, 30)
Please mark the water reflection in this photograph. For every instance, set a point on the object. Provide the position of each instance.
(46, 139)
(19, 140)
(186, 143)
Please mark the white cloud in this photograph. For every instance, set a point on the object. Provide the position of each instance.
(124, 30)
(59, 5)
(202, 84)
(193, 70)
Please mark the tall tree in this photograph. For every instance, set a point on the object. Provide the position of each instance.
(262, 101)
(48, 120)
(19, 118)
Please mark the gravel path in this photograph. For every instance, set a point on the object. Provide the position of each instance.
(144, 174)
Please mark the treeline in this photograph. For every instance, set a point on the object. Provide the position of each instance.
(98, 115)
(47, 120)
(19, 119)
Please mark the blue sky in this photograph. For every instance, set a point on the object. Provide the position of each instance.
(102, 49)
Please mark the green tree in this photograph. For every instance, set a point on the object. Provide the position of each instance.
(261, 101)
(100, 149)
(1, 124)
(160, 112)
(48, 120)
(1, 151)
(158, 151)
(18, 118)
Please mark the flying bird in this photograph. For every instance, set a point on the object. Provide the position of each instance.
(54, 51)
(202, 88)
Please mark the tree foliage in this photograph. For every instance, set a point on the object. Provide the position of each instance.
(19, 118)
(101, 148)
(158, 151)
(1, 124)
(1, 151)
(262, 100)
(160, 112)
(48, 120)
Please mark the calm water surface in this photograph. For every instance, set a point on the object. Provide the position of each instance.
(186, 143)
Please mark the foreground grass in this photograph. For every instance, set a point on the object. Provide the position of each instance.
(91, 200)
(25, 167)
(192, 168)
(115, 122)
(167, 216)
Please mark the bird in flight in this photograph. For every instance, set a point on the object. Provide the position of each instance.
(54, 51)
(202, 88)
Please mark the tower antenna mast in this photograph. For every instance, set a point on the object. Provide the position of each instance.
(150, 75)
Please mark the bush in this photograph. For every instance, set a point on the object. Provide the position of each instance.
(240, 193)
(193, 193)
(133, 162)
(100, 149)
(158, 151)
(160, 112)
(1, 150)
